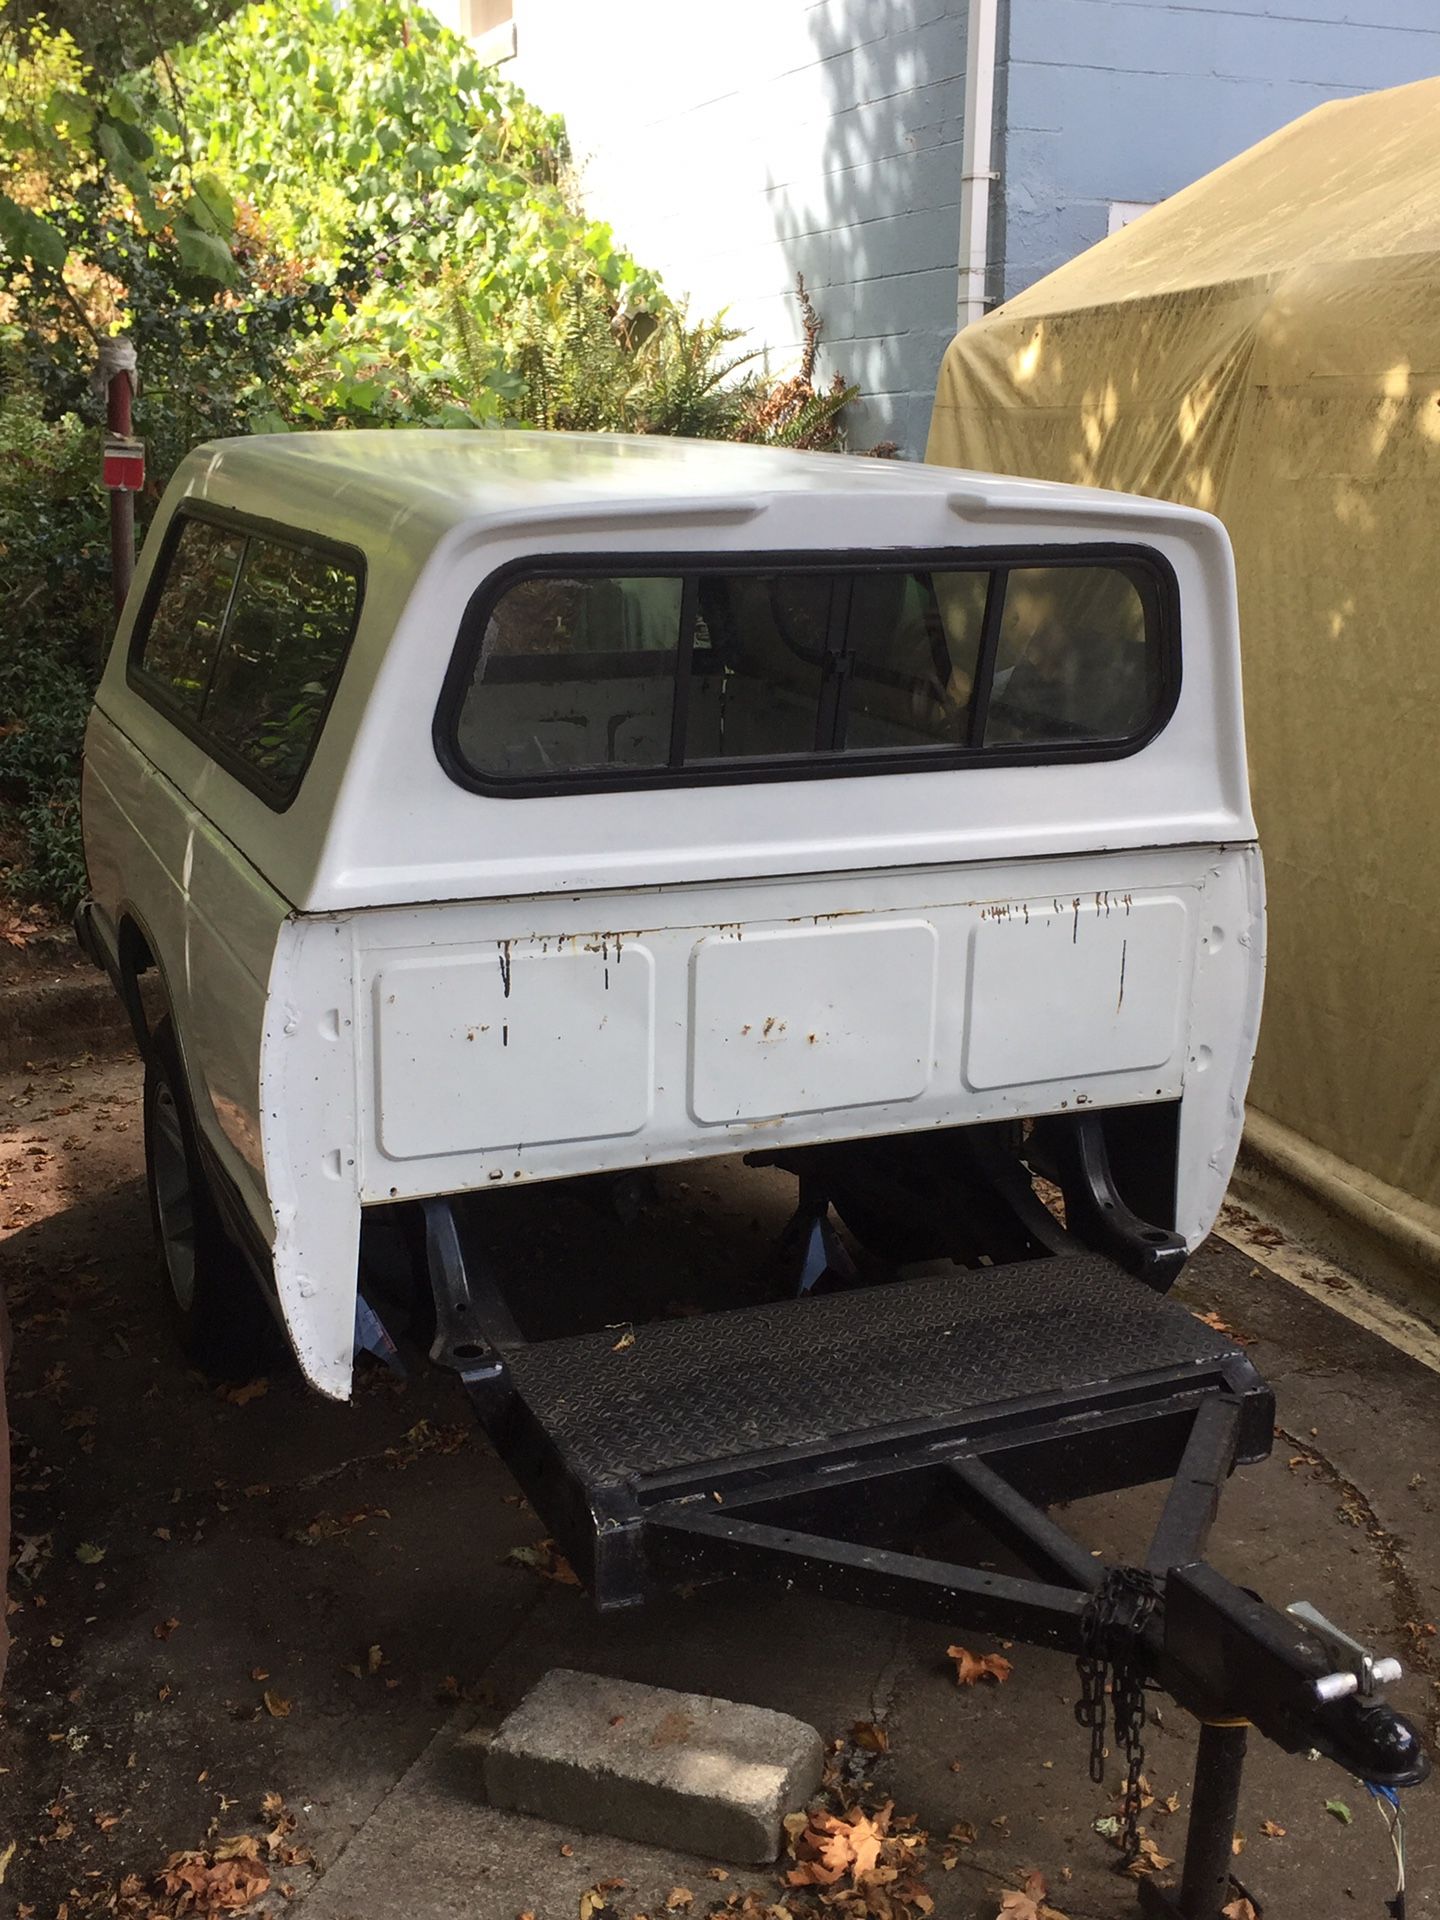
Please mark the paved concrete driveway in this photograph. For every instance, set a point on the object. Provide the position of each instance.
(223, 1597)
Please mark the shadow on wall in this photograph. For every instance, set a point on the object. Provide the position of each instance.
(862, 177)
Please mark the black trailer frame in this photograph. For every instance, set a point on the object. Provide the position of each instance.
(729, 1445)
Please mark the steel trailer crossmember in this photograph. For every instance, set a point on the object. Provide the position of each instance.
(817, 1441)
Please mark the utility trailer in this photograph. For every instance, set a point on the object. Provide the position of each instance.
(497, 808)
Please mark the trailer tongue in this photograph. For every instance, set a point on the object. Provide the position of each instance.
(813, 1440)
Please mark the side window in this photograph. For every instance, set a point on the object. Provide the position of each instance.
(244, 642)
(284, 643)
(178, 651)
(1074, 661)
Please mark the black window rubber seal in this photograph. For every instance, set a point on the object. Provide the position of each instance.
(848, 763)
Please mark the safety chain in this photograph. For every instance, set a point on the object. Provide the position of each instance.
(1111, 1635)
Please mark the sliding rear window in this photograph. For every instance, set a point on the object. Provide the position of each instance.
(630, 674)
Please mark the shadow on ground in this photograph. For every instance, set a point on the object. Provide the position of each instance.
(203, 1575)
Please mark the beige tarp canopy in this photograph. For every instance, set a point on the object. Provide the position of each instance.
(1267, 345)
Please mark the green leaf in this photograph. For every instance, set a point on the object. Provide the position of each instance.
(204, 254)
(69, 112)
(140, 144)
(119, 106)
(1341, 1812)
(28, 237)
(128, 171)
(88, 1555)
(210, 206)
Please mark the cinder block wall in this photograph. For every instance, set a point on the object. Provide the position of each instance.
(734, 146)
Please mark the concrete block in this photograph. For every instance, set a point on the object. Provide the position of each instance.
(679, 1770)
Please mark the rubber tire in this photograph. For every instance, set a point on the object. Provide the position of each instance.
(226, 1328)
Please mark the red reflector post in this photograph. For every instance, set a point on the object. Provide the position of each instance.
(123, 464)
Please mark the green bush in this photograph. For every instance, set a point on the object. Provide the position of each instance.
(56, 615)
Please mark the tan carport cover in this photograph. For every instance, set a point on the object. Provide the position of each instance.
(1267, 345)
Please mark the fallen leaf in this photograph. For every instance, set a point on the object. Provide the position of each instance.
(88, 1554)
(7, 1854)
(679, 1900)
(258, 1674)
(106, 1822)
(1341, 1812)
(1272, 1829)
(872, 1738)
(827, 1848)
(242, 1396)
(1149, 1859)
(226, 1879)
(163, 1629)
(626, 1341)
(1237, 1843)
(970, 1668)
(1241, 1909)
(276, 1705)
(545, 1559)
(1212, 1319)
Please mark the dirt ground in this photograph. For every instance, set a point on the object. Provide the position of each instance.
(224, 1595)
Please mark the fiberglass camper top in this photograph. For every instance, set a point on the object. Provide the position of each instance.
(511, 806)
(429, 517)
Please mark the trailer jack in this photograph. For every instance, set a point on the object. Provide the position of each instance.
(817, 1441)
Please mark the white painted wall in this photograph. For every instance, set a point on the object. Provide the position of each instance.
(732, 148)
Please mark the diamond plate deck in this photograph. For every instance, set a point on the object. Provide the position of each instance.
(692, 1393)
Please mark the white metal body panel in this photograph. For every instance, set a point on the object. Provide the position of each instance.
(455, 1070)
(212, 924)
(1077, 987)
(795, 1020)
(333, 1125)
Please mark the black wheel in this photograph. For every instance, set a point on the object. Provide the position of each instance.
(224, 1325)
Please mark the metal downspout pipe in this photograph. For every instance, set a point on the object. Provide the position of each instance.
(976, 153)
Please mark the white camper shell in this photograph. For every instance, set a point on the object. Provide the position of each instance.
(499, 807)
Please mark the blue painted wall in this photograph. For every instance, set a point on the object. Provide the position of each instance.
(1132, 99)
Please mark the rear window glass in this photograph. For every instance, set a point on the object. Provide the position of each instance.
(243, 641)
(607, 677)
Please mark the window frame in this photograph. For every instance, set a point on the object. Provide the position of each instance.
(833, 763)
(250, 527)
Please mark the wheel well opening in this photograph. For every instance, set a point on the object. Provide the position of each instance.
(136, 960)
